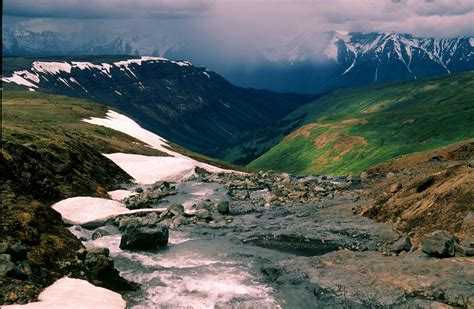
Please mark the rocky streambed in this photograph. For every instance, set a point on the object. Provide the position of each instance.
(272, 240)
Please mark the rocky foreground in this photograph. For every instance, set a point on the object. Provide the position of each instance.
(337, 256)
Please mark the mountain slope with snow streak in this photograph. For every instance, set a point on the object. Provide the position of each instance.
(148, 169)
(190, 106)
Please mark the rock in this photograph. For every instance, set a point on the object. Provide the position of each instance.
(319, 189)
(22, 271)
(18, 252)
(285, 178)
(439, 244)
(3, 247)
(139, 190)
(364, 177)
(270, 198)
(180, 220)
(394, 188)
(100, 232)
(160, 185)
(403, 244)
(223, 207)
(203, 214)
(98, 250)
(176, 209)
(144, 237)
(296, 195)
(204, 205)
(6, 265)
(390, 175)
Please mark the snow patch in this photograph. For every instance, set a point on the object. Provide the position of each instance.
(74, 294)
(81, 210)
(471, 41)
(135, 164)
(205, 73)
(51, 67)
(17, 79)
(149, 169)
(119, 195)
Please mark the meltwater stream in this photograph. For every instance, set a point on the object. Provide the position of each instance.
(192, 271)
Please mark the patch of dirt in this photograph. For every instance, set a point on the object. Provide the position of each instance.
(306, 129)
(427, 191)
(345, 143)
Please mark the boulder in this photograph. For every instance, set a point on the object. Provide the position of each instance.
(364, 176)
(144, 237)
(176, 209)
(394, 188)
(203, 214)
(270, 198)
(100, 232)
(223, 207)
(22, 270)
(18, 251)
(6, 265)
(204, 205)
(403, 244)
(439, 244)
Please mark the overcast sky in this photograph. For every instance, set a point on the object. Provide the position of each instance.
(236, 26)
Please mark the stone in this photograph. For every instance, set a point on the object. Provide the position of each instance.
(6, 265)
(270, 198)
(144, 237)
(439, 244)
(203, 214)
(18, 252)
(176, 209)
(100, 232)
(3, 247)
(295, 195)
(22, 271)
(285, 178)
(204, 205)
(390, 175)
(319, 189)
(180, 220)
(98, 250)
(394, 188)
(223, 207)
(403, 244)
(364, 176)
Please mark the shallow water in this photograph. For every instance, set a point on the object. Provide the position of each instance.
(192, 273)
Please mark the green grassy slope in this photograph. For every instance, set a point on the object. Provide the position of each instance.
(348, 130)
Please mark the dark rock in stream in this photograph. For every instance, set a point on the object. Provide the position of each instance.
(144, 237)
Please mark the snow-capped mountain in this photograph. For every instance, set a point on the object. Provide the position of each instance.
(24, 42)
(129, 44)
(312, 63)
(382, 53)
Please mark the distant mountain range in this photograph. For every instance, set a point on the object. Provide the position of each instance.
(307, 63)
(342, 59)
(24, 42)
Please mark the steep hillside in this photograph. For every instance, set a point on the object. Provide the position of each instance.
(349, 130)
(193, 107)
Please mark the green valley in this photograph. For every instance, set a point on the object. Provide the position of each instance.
(349, 130)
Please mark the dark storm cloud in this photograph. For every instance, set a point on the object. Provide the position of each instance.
(95, 9)
(241, 31)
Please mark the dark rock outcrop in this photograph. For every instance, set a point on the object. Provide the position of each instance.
(144, 237)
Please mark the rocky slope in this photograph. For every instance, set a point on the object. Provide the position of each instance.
(425, 192)
(193, 107)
